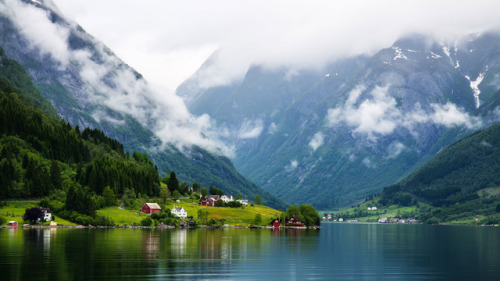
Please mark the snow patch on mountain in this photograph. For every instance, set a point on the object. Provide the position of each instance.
(399, 54)
(474, 85)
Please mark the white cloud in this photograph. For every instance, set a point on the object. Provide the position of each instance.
(112, 84)
(395, 149)
(168, 40)
(273, 128)
(317, 141)
(250, 129)
(32, 23)
(378, 115)
(368, 163)
(292, 166)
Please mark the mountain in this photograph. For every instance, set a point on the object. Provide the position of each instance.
(456, 175)
(42, 153)
(462, 182)
(335, 136)
(89, 86)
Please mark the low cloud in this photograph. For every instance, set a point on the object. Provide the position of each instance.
(292, 166)
(369, 163)
(395, 149)
(317, 141)
(250, 129)
(378, 115)
(273, 128)
(108, 81)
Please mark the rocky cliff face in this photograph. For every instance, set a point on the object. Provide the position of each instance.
(333, 137)
(91, 87)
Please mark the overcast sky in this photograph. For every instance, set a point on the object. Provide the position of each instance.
(167, 41)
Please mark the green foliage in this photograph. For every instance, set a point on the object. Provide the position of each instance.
(204, 193)
(257, 200)
(164, 194)
(306, 213)
(2, 220)
(147, 221)
(196, 186)
(109, 196)
(173, 183)
(258, 219)
(176, 195)
(454, 175)
(203, 216)
(129, 198)
(32, 215)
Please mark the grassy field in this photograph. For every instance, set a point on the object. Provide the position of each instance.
(14, 211)
(232, 216)
(122, 216)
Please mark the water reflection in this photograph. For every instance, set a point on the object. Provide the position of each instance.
(338, 251)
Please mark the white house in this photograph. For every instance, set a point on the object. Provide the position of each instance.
(179, 212)
(47, 215)
(372, 208)
(226, 198)
(243, 202)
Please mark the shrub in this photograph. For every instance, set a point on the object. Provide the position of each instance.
(147, 221)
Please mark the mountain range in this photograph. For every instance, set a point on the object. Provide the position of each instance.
(89, 86)
(334, 136)
(328, 137)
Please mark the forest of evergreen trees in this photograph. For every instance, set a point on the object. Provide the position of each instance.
(41, 154)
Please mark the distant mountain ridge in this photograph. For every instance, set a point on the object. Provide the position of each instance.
(335, 136)
(90, 87)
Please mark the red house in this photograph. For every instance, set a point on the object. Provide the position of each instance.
(150, 208)
(203, 202)
(275, 223)
(294, 221)
(212, 199)
(12, 223)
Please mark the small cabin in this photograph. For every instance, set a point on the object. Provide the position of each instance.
(150, 208)
(275, 223)
(294, 221)
(12, 223)
(203, 202)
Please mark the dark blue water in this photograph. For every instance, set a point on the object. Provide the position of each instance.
(336, 252)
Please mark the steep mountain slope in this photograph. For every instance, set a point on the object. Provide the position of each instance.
(90, 87)
(333, 137)
(40, 153)
(455, 175)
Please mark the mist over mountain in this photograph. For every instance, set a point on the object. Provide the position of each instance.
(334, 136)
(90, 87)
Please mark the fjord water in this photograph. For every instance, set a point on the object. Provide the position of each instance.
(336, 252)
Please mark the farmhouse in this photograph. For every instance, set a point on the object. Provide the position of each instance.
(179, 212)
(47, 215)
(150, 208)
(227, 198)
(203, 202)
(243, 202)
(212, 199)
(294, 221)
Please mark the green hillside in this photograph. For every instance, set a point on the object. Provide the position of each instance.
(461, 181)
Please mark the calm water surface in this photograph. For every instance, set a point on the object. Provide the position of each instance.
(336, 252)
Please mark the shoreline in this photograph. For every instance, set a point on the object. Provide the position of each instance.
(152, 227)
